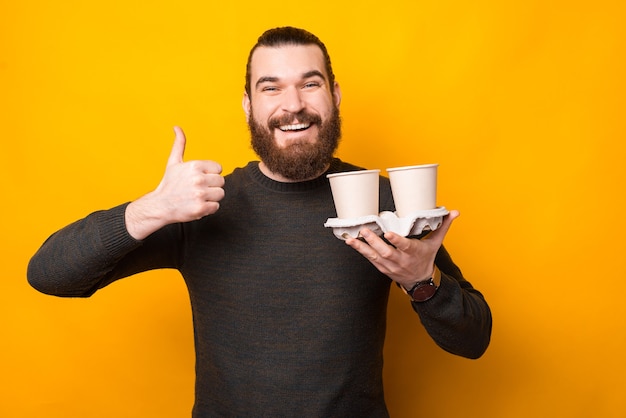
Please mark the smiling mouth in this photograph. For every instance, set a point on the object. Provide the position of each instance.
(295, 127)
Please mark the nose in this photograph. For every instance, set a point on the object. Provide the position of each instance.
(292, 100)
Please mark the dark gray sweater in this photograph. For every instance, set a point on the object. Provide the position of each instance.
(288, 320)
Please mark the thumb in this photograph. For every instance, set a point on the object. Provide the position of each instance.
(441, 232)
(178, 149)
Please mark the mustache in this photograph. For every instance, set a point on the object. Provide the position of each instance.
(292, 118)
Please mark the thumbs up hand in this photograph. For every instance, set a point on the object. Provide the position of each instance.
(188, 191)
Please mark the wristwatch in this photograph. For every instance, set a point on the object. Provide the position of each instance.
(423, 290)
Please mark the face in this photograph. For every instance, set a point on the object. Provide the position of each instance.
(293, 116)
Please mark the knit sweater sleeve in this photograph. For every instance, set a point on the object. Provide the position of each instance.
(89, 254)
(457, 318)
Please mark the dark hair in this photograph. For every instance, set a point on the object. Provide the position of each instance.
(288, 35)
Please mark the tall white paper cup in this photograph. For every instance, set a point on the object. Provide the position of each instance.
(414, 188)
(355, 193)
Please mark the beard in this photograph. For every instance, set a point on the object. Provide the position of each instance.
(298, 161)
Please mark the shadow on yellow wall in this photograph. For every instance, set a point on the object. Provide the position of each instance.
(520, 103)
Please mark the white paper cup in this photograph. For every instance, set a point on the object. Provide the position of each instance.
(355, 193)
(414, 188)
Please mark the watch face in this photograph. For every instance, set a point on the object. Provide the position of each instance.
(424, 292)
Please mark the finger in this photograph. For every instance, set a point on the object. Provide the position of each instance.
(212, 167)
(441, 232)
(362, 247)
(376, 243)
(401, 243)
(377, 252)
(178, 149)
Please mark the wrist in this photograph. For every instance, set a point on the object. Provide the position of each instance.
(423, 290)
(141, 219)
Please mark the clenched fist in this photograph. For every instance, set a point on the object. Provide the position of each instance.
(188, 191)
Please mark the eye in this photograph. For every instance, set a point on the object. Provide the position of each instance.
(312, 84)
(270, 90)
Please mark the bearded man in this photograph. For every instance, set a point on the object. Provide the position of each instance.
(288, 320)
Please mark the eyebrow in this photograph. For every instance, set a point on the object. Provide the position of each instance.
(273, 79)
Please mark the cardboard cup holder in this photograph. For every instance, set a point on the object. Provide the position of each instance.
(413, 224)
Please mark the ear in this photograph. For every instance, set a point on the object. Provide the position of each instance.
(245, 103)
(337, 94)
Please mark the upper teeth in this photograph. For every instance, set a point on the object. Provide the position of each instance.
(294, 127)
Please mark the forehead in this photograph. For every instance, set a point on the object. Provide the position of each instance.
(286, 61)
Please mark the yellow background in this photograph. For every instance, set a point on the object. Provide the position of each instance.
(520, 102)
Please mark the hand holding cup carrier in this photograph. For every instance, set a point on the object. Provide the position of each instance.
(414, 190)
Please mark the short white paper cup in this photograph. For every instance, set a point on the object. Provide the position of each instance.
(355, 193)
(414, 188)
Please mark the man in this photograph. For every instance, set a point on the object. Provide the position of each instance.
(288, 320)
